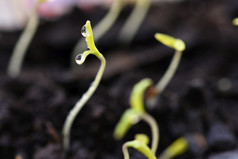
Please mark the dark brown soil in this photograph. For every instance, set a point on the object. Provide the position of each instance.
(33, 107)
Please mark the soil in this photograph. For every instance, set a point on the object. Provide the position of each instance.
(200, 103)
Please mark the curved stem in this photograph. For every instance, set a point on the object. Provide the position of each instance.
(86, 96)
(125, 151)
(139, 146)
(22, 45)
(169, 73)
(154, 130)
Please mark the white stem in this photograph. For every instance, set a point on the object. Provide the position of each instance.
(125, 151)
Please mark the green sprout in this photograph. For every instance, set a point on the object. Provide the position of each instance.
(136, 113)
(134, 21)
(179, 47)
(15, 64)
(178, 147)
(88, 34)
(140, 143)
(235, 21)
(102, 27)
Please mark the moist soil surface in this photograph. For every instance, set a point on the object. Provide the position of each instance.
(200, 103)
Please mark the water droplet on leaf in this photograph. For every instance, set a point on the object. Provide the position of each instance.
(78, 58)
(83, 31)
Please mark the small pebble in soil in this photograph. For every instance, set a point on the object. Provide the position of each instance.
(50, 151)
(221, 138)
(224, 84)
(225, 155)
(197, 143)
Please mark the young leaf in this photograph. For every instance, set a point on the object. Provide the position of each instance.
(140, 143)
(170, 41)
(129, 118)
(235, 21)
(178, 147)
(137, 94)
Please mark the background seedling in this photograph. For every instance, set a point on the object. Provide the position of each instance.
(178, 147)
(134, 21)
(235, 21)
(15, 64)
(136, 113)
(88, 34)
(179, 47)
(102, 27)
(140, 143)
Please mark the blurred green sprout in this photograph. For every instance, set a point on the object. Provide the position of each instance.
(132, 24)
(179, 46)
(136, 113)
(140, 143)
(16, 60)
(178, 147)
(235, 21)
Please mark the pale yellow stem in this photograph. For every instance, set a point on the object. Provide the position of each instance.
(22, 45)
(134, 21)
(169, 73)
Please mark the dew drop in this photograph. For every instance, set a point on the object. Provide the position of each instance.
(83, 31)
(78, 58)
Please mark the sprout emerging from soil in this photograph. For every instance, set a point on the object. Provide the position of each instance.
(235, 21)
(140, 143)
(23, 43)
(88, 34)
(136, 113)
(134, 21)
(179, 47)
(102, 27)
(178, 147)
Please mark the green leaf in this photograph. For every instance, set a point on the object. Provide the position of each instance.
(137, 94)
(170, 41)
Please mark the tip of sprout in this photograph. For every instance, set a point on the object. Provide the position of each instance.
(178, 147)
(142, 138)
(170, 41)
(235, 21)
(179, 45)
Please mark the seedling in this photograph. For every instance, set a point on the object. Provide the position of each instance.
(88, 34)
(134, 21)
(102, 27)
(140, 143)
(23, 43)
(178, 147)
(179, 47)
(136, 113)
(235, 21)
